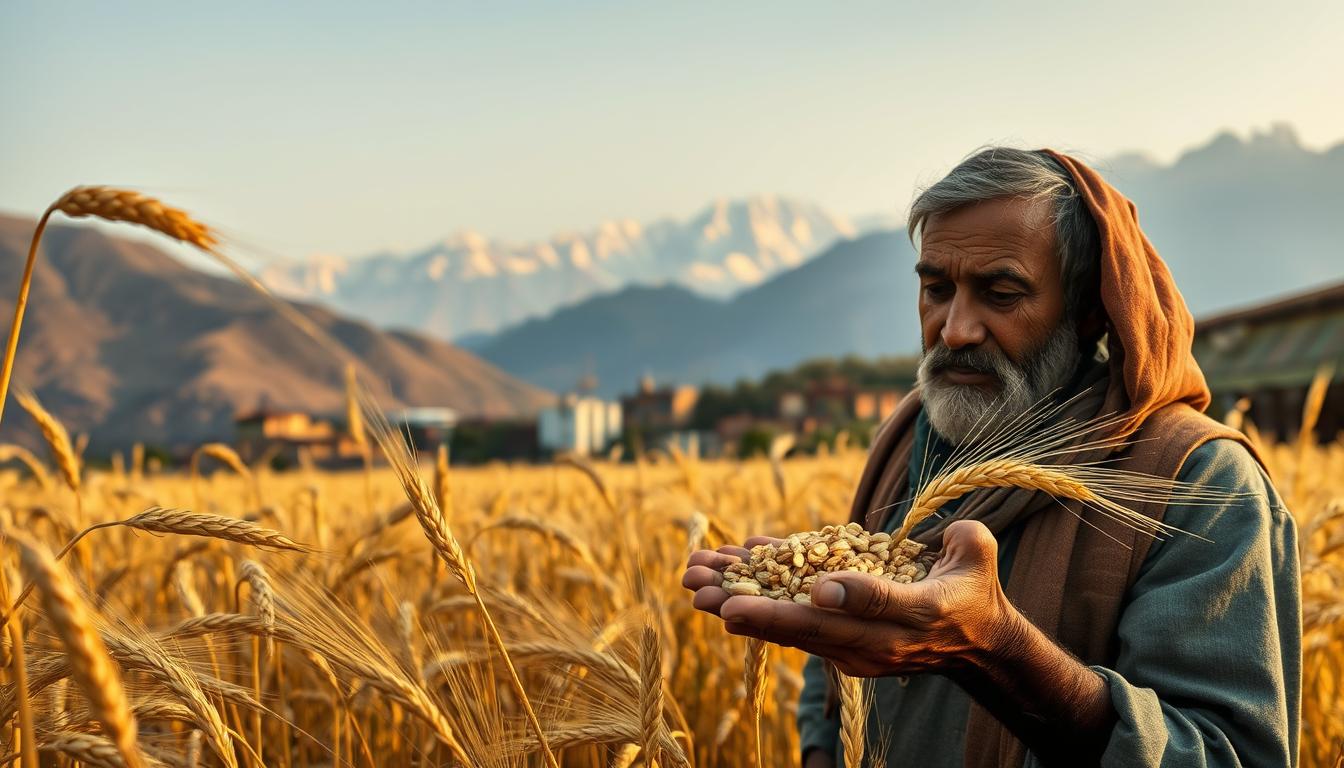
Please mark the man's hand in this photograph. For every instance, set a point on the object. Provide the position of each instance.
(956, 622)
(955, 618)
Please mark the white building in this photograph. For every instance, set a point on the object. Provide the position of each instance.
(578, 424)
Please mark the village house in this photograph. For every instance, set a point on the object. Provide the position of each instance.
(1270, 353)
(579, 424)
(282, 434)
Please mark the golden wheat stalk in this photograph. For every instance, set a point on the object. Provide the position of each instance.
(113, 205)
(440, 535)
(1060, 481)
(853, 719)
(756, 676)
(184, 523)
(58, 439)
(443, 490)
(586, 467)
(89, 749)
(18, 453)
(90, 664)
(12, 624)
(650, 696)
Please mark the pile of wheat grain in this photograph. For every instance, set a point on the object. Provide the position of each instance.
(787, 570)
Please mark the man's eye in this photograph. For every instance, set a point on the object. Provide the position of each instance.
(1003, 297)
(937, 291)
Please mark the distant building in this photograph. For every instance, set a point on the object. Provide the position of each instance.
(658, 409)
(427, 428)
(834, 402)
(579, 424)
(1269, 354)
(281, 434)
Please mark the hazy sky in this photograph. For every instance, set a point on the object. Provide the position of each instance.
(315, 127)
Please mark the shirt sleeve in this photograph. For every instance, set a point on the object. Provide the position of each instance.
(815, 730)
(1209, 670)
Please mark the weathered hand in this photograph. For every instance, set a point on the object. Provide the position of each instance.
(958, 616)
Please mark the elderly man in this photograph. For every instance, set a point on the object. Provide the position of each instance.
(1047, 634)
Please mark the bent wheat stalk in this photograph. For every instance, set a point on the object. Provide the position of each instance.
(112, 205)
(56, 436)
(90, 664)
(23, 456)
(184, 523)
(436, 528)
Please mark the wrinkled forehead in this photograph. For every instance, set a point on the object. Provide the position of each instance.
(1021, 230)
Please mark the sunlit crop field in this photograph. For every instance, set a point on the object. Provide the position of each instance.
(367, 650)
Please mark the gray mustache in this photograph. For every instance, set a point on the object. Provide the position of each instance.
(940, 358)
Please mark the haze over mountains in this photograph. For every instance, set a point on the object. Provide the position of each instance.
(124, 342)
(468, 284)
(1237, 221)
(850, 300)
(127, 343)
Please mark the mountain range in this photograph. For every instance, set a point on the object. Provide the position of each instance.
(853, 299)
(1237, 220)
(468, 284)
(125, 343)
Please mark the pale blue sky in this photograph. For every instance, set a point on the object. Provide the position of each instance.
(327, 127)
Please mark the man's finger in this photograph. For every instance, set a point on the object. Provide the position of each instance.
(787, 623)
(699, 576)
(756, 541)
(710, 599)
(869, 597)
(711, 559)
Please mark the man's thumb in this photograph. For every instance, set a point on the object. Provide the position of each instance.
(858, 594)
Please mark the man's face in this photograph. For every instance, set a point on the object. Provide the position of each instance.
(991, 305)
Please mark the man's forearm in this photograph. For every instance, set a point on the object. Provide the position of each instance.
(1060, 709)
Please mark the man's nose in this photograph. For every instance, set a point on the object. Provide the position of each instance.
(963, 327)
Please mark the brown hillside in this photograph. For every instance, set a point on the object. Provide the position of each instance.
(126, 343)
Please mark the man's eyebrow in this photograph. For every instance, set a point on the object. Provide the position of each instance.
(925, 269)
(1006, 274)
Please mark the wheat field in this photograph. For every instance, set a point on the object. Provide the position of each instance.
(400, 615)
(340, 637)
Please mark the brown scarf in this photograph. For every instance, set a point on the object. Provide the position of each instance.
(1073, 566)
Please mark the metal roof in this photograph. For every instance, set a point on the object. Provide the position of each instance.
(1279, 344)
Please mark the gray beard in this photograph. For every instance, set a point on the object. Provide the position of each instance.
(959, 412)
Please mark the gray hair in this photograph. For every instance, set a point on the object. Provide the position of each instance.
(1000, 172)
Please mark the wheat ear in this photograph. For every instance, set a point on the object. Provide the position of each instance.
(58, 439)
(1059, 482)
(25, 457)
(755, 681)
(184, 523)
(650, 696)
(113, 205)
(90, 664)
(853, 719)
(13, 624)
(437, 530)
(88, 749)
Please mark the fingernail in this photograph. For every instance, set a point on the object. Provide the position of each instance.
(829, 594)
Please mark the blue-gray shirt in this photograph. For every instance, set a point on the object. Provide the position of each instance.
(1209, 671)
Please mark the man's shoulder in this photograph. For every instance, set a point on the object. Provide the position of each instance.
(1236, 498)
